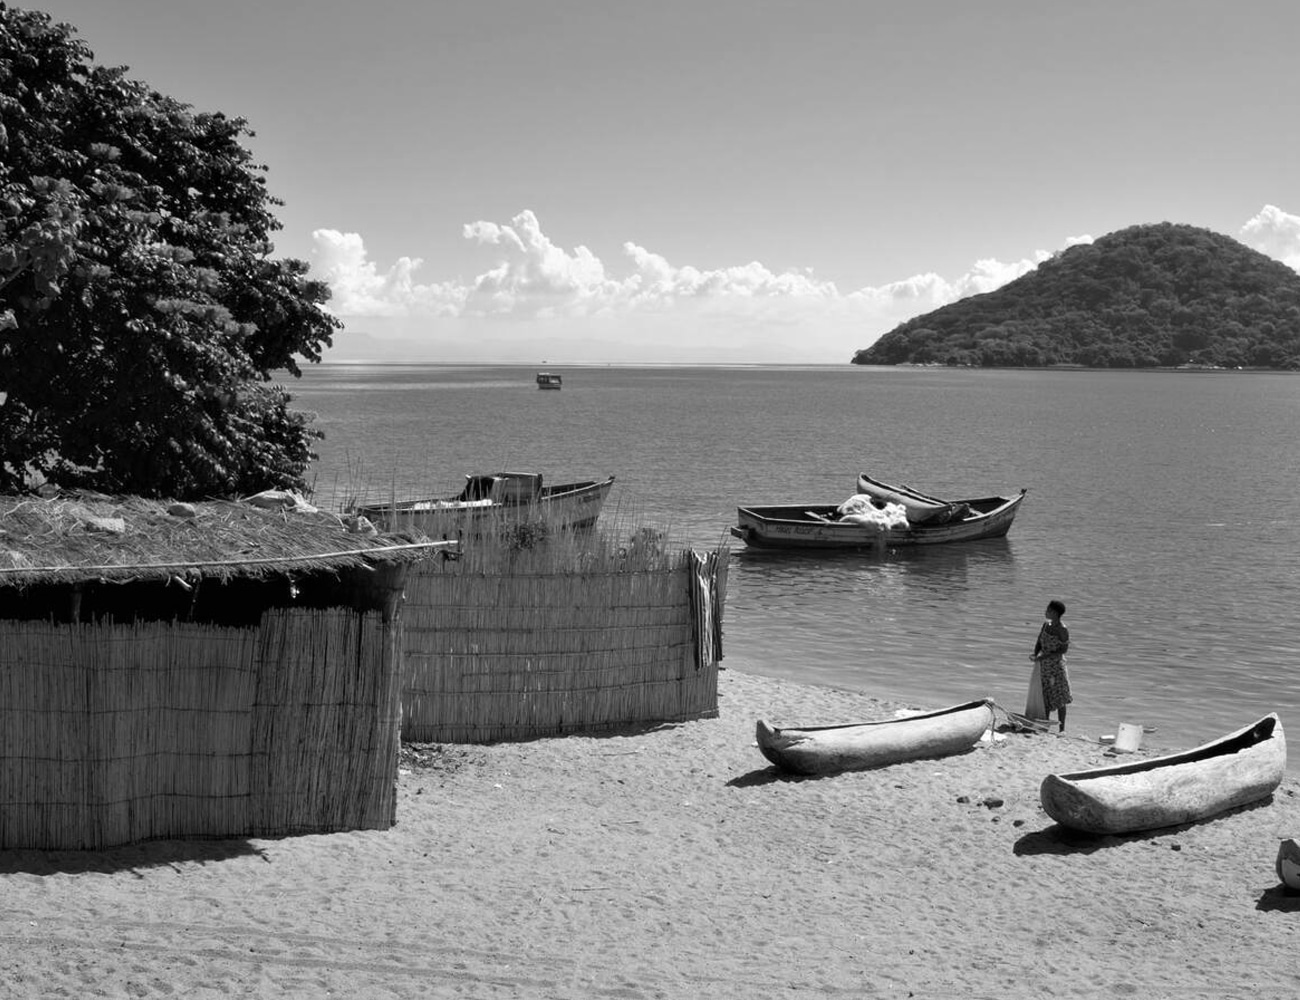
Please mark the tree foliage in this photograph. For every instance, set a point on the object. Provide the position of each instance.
(1142, 297)
(141, 311)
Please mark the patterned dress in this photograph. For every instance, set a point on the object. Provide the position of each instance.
(1050, 649)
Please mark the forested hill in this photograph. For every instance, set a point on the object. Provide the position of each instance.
(1145, 296)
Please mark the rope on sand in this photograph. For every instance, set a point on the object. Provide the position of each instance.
(1022, 722)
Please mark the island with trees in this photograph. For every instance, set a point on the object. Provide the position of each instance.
(1148, 296)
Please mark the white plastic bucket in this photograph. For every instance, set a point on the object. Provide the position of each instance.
(1128, 737)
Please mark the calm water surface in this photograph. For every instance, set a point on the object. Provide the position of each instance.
(1163, 508)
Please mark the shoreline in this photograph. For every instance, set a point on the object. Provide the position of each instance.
(673, 863)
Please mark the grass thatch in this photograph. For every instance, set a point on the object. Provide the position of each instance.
(91, 536)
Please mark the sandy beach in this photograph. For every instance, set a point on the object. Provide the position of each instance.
(677, 863)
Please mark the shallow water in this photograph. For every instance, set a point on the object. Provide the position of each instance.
(1163, 508)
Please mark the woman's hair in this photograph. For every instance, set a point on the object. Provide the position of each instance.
(1057, 606)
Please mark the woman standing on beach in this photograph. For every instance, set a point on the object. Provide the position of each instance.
(1049, 684)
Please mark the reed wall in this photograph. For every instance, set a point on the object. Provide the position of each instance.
(509, 653)
(113, 734)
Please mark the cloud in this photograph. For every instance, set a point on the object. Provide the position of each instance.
(924, 292)
(535, 288)
(360, 290)
(1275, 233)
(535, 276)
(535, 279)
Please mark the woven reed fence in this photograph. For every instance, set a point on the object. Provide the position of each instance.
(509, 654)
(113, 734)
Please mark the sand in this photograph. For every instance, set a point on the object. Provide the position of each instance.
(677, 863)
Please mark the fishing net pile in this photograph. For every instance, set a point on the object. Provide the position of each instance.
(870, 512)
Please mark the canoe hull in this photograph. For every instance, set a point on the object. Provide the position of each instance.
(810, 526)
(1288, 864)
(1235, 770)
(832, 749)
(565, 507)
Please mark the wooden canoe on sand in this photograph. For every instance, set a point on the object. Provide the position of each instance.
(1234, 770)
(829, 749)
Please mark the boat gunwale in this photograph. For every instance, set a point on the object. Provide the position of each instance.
(1002, 502)
(906, 490)
(969, 706)
(1220, 747)
(454, 504)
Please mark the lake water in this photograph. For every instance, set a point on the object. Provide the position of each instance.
(1163, 508)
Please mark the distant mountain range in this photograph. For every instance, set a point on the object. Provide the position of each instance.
(1149, 296)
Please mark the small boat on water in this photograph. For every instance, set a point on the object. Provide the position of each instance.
(1288, 864)
(864, 745)
(1234, 770)
(549, 380)
(495, 500)
(929, 521)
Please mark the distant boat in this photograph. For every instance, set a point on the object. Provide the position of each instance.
(549, 380)
(857, 747)
(494, 500)
(1234, 770)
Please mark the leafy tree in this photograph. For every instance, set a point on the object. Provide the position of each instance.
(141, 312)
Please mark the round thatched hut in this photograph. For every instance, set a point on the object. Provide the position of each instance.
(218, 669)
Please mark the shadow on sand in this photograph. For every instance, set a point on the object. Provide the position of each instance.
(1057, 839)
(130, 857)
(770, 774)
(1279, 899)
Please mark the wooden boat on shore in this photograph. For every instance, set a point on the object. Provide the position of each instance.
(821, 526)
(858, 747)
(1234, 770)
(1288, 864)
(493, 501)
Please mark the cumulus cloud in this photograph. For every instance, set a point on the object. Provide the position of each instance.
(340, 259)
(533, 279)
(923, 292)
(534, 275)
(1275, 233)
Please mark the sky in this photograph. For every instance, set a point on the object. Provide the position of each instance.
(718, 181)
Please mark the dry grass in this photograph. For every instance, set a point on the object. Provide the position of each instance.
(67, 538)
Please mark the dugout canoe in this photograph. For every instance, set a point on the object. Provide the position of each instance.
(1233, 770)
(864, 745)
(921, 507)
(1288, 864)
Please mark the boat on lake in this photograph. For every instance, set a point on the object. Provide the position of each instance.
(1234, 770)
(864, 745)
(492, 501)
(549, 380)
(929, 520)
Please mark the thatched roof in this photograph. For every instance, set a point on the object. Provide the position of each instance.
(69, 539)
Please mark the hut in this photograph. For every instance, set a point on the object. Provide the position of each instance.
(218, 669)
